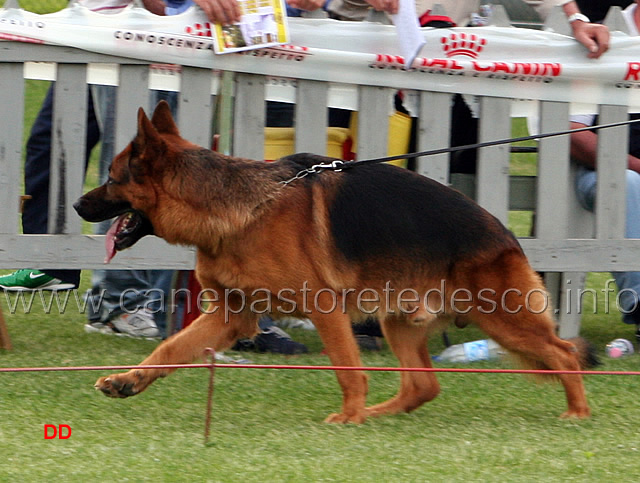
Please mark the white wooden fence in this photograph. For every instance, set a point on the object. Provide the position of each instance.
(568, 240)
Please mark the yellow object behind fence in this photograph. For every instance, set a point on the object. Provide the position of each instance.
(399, 135)
(279, 141)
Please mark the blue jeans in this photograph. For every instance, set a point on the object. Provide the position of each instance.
(628, 282)
(37, 170)
(115, 292)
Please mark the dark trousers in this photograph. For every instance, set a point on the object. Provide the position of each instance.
(35, 216)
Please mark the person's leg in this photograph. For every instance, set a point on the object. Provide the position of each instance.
(104, 98)
(36, 170)
(35, 215)
(118, 298)
(158, 300)
(585, 184)
(119, 304)
(628, 282)
(123, 296)
(464, 130)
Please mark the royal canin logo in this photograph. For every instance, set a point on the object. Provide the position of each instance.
(199, 29)
(469, 45)
(632, 77)
(633, 71)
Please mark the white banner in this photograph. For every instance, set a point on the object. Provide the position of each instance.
(507, 62)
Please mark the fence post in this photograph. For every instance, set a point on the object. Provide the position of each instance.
(68, 147)
(434, 126)
(493, 162)
(311, 117)
(249, 117)
(612, 183)
(12, 100)
(195, 107)
(373, 122)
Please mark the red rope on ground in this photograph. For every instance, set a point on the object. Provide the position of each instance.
(319, 368)
(211, 365)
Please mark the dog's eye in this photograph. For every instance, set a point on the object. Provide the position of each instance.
(111, 181)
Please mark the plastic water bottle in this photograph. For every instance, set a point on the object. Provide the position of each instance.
(619, 348)
(478, 350)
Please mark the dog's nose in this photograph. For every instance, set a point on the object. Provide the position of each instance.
(78, 206)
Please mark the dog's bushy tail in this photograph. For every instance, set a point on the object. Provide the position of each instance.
(586, 352)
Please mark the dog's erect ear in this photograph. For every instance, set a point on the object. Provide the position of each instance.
(162, 119)
(147, 134)
(146, 148)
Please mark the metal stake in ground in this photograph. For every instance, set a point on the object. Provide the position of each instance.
(209, 356)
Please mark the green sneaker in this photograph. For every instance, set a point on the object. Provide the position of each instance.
(31, 280)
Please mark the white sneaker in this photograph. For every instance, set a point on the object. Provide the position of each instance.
(98, 328)
(294, 323)
(137, 324)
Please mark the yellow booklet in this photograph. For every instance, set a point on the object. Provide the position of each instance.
(263, 24)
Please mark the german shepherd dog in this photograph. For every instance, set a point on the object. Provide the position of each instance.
(337, 247)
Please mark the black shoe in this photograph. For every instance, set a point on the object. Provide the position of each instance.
(274, 339)
(370, 327)
(243, 345)
(368, 342)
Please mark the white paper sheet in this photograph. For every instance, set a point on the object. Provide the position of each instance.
(408, 29)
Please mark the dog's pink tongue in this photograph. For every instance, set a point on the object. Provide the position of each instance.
(110, 240)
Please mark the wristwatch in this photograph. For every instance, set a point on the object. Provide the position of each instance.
(578, 16)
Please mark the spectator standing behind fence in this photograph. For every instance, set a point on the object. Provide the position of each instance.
(583, 152)
(459, 12)
(130, 301)
(100, 116)
(596, 10)
(134, 302)
(36, 177)
(593, 36)
(126, 302)
(100, 123)
(123, 302)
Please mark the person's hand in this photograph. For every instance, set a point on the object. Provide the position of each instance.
(224, 12)
(308, 5)
(154, 6)
(633, 163)
(389, 6)
(593, 36)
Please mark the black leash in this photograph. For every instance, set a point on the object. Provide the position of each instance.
(339, 165)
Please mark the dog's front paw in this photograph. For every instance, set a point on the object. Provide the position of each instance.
(122, 385)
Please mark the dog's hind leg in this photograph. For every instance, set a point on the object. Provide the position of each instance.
(536, 349)
(409, 343)
(520, 321)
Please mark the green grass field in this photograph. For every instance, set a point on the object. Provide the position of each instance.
(267, 424)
